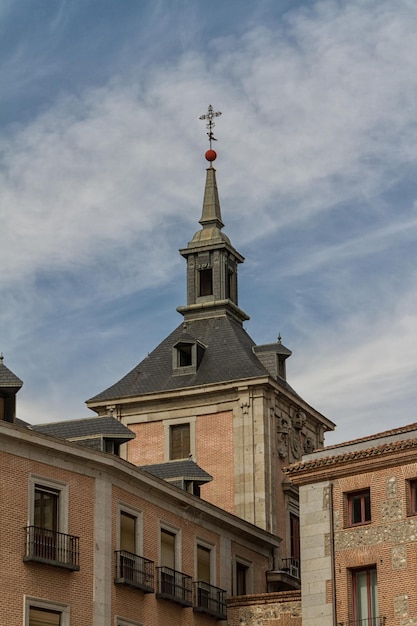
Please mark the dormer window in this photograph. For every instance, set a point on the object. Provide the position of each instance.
(185, 354)
(186, 357)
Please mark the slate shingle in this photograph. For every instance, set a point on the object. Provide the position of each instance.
(186, 469)
(107, 426)
(228, 356)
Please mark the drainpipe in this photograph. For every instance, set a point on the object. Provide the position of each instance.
(332, 556)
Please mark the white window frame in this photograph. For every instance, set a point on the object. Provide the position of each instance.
(178, 543)
(209, 546)
(49, 605)
(167, 434)
(63, 499)
(126, 508)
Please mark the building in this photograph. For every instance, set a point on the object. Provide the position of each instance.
(172, 504)
(358, 522)
(88, 538)
(209, 393)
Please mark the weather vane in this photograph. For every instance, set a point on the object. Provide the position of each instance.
(210, 115)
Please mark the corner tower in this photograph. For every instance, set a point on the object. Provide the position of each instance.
(208, 394)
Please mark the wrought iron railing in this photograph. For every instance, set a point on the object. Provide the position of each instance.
(291, 566)
(52, 547)
(134, 570)
(175, 586)
(210, 600)
(368, 621)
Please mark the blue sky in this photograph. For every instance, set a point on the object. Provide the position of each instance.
(102, 174)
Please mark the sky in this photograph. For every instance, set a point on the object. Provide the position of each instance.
(102, 175)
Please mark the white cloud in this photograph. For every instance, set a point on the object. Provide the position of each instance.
(318, 114)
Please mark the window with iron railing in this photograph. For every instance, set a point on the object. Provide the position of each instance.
(209, 600)
(49, 546)
(134, 570)
(368, 621)
(175, 586)
(364, 608)
(291, 566)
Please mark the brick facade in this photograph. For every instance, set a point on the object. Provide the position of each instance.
(97, 486)
(380, 543)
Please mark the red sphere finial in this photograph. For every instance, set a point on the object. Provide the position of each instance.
(211, 155)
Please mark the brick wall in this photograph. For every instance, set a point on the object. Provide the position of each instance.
(273, 609)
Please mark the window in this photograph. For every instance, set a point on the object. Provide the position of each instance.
(412, 497)
(203, 563)
(179, 438)
(365, 595)
(40, 612)
(359, 507)
(172, 583)
(47, 540)
(187, 355)
(48, 504)
(242, 577)
(206, 282)
(179, 446)
(131, 568)
(46, 508)
(128, 532)
(294, 536)
(44, 617)
(168, 548)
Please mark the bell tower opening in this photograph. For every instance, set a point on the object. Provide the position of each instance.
(206, 282)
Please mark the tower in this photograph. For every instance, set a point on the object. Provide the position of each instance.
(207, 393)
(9, 386)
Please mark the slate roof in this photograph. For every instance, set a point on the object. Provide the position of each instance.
(228, 356)
(186, 469)
(73, 430)
(8, 380)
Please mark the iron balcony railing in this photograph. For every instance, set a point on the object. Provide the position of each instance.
(175, 586)
(368, 621)
(210, 600)
(52, 547)
(135, 571)
(291, 566)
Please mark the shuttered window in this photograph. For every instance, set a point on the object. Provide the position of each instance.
(203, 564)
(179, 447)
(127, 532)
(167, 548)
(44, 617)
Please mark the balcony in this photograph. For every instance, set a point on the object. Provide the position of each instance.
(52, 547)
(174, 586)
(135, 571)
(286, 578)
(368, 621)
(209, 600)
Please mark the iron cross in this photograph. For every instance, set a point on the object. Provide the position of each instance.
(210, 115)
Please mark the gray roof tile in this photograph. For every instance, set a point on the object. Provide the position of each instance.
(228, 356)
(73, 430)
(186, 469)
(8, 380)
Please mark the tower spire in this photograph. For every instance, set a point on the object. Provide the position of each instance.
(212, 261)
